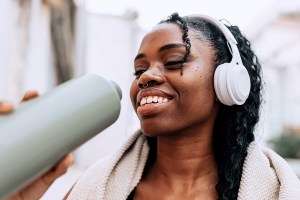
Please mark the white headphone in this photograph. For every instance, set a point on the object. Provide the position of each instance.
(231, 80)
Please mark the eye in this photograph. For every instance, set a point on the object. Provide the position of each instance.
(173, 65)
(138, 73)
(139, 68)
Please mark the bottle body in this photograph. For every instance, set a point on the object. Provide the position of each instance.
(38, 134)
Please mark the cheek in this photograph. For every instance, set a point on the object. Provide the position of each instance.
(198, 92)
(133, 92)
(201, 95)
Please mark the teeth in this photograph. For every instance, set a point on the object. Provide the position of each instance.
(143, 101)
(153, 99)
(160, 99)
(149, 99)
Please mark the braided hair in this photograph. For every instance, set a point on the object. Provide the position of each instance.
(234, 126)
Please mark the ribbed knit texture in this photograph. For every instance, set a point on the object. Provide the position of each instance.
(114, 177)
(266, 176)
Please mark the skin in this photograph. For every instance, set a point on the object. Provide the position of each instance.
(185, 167)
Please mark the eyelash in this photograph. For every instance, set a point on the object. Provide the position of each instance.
(138, 73)
(181, 62)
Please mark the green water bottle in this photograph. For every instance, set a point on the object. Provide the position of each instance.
(42, 131)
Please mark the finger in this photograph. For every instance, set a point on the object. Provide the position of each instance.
(36, 189)
(64, 164)
(30, 95)
(58, 170)
(16, 196)
(6, 107)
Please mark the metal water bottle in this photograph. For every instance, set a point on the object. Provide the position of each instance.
(42, 131)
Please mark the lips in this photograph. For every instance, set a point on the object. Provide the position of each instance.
(149, 100)
(152, 95)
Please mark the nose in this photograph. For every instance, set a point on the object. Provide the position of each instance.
(150, 77)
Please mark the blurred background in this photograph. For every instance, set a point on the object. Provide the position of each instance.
(44, 43)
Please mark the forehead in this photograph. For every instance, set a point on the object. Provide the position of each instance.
(164, 33)
(167, 33)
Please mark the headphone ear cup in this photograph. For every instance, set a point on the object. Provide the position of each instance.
(220, 83)
(232, 84)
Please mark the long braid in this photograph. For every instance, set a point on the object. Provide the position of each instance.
(177, 19)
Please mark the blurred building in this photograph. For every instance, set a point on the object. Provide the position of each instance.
(275, 36)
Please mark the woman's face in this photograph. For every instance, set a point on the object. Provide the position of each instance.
(173, 102)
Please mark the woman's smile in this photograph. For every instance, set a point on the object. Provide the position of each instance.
(152, 108)
(150, 99)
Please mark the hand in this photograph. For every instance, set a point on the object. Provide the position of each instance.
(36, 189)
(7, 107)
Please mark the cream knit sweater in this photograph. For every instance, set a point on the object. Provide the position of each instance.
(266, 175)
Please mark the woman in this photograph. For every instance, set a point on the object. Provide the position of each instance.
(195, 142)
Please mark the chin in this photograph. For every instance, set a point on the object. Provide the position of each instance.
(154, 126)
(149, 133)
(154, 131)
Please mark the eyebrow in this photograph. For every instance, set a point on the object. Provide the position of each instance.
(163, 48)
(171, 46)
(140, 55)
